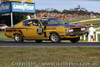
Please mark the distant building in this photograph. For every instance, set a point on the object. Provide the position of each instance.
(92, 16)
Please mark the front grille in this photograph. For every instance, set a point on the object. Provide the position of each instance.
(77, 29)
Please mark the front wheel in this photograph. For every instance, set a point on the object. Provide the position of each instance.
(55, 38)
(75, 40)
(18, 38)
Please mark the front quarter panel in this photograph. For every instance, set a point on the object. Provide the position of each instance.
(54, 29)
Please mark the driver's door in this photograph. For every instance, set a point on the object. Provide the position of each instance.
(34, 31)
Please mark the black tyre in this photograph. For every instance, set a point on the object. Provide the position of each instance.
(38, 41)
(75, 40)
(18, 38)
(55, 38)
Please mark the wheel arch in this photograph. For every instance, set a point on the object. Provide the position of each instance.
(52, 33)
(16, 33)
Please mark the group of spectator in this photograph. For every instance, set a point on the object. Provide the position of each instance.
(62, 16)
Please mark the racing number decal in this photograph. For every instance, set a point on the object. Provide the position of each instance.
(40, 31)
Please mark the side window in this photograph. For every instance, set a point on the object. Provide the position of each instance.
(52, 22)
(44, 22)
(31, 23)
(26, 23)
(35, 22)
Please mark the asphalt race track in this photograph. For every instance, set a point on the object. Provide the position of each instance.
(48, 44)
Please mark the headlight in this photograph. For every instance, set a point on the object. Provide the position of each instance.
(83, 29)
(70, 30)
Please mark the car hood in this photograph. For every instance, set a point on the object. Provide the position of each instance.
(66, 25)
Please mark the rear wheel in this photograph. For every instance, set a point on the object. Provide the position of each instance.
(75, 40)
(18, 38)
(38, 41)
(55, 38)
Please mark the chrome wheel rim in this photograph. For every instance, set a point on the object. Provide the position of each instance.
(54, 37)
(16, 38)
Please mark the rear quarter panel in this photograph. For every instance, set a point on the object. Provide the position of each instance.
(11, 32)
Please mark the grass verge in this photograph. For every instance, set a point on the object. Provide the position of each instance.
(77, 20)
(3, 37)
(49, 55)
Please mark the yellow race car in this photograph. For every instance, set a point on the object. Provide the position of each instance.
(40, 29)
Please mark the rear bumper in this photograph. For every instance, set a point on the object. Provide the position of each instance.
(8, 36)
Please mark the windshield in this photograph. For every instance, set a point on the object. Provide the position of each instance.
(50, 21)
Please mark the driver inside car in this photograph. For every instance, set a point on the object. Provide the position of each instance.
(30, 23)
(35, 23)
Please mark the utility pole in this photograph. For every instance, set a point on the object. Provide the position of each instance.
(12, 19)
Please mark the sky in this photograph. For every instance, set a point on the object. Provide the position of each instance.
(90, 5)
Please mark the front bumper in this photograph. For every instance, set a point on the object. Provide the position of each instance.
(76, 34)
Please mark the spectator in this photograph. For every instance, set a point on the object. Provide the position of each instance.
(28, 16)
(91, 33)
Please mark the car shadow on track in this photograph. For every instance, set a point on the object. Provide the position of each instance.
(2, 41)
(48, 44)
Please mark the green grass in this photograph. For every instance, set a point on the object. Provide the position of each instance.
(77, 20)
(50, 55)
(99, 37)
(97, 21)
(3, 37)
(96, 26)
